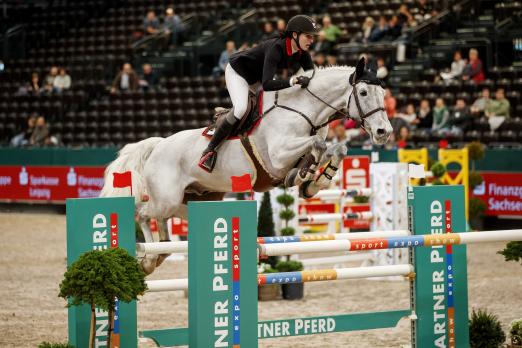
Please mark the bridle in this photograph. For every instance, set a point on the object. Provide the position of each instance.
(339, 113)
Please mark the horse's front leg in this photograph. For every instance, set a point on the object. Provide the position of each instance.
(330, 163)
(308, 166)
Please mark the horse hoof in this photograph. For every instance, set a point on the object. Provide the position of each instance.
(148, 265)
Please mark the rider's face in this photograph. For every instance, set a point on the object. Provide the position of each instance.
(305, 41)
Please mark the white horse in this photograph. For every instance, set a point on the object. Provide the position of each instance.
(166, 169)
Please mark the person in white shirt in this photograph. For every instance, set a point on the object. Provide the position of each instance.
(62, 81)
(457, 67)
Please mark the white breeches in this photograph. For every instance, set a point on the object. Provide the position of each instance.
(238, 89)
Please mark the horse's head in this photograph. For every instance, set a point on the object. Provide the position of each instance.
(366, 104)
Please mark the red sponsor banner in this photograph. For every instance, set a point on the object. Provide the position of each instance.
(356, 172)
(357, 224)
(502, 192)
(179, 227)
(49, 184)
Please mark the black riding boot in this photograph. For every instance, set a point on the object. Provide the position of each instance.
(223, 129)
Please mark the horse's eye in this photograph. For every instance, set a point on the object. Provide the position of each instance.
(364, 93)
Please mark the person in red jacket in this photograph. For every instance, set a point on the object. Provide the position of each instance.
(474, 69)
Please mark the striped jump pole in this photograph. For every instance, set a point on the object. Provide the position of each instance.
(338, 194)
(311, 237)
(389, 243)
(299, 277)
(324, 218)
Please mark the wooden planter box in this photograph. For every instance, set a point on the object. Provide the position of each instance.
(271, 292)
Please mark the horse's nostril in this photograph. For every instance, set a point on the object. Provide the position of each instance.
(381, 131)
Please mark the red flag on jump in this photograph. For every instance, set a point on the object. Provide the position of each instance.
(122, 180)
(241, 184)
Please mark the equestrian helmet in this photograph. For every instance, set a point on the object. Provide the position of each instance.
(302, 24)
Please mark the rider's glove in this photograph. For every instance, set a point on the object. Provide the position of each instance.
(303, 81)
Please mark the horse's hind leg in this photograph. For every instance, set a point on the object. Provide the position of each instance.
(148, 262)
(163, 231)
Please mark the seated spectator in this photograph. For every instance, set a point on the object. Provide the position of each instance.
(397, 123)
(331, 58)
(62, 81)
(394, 28)
(405, 17)
(127, 79)
(380, 30)
(403, 137)
(320, 60)
(382, 70)
(473, 70)
(422, 10)
(35, 83)
(409, 115)
(268, 32)
(424, 115)
(172, 25)
(49, 79)
(340, 132)
(24, 137)
(390, 103)
(223, 58)
(367, 28)
(457, 67)
(322, 45)
(479, 106)
(151, 24)
(40, 135)
(497, 110)
(281, 25)
(440, 115)
(331, 31)
(459, 120)
(149, 79)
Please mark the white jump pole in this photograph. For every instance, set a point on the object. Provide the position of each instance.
(162, 247)
(167, 285)
(341, 193)
(319, 218)
(389, 243)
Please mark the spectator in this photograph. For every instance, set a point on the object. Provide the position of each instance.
(331, 58)
(127, 79)
(49, 79)
(62, 81)
(149, 79)
(23, 138)
(457, 67)
(281, 25)
(394, 28)
(368, 27)
(340, 132)
(424, 115)
(380, 31)
(460, 118)
(331, 31)
(268, 32)
(320, 60)
(497, 110)
(403, 137)
(479, 105)
(223, 58)
(422, 10)
(405, 17)
(473, 70)
(409, 115)
(382, 70)
(35, 83)
(390, 103)
(40, 135)
(440, 115)
(172, 25)
(322, 45)
(151, 24)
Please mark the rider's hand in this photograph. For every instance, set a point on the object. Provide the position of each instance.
(303, 81)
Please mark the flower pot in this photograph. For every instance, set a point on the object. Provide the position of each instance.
(293, 291)
(269, 292)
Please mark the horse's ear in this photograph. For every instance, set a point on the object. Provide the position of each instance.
(359, 71)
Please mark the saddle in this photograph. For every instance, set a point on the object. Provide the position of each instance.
(248, 122)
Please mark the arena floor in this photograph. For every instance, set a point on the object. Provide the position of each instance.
(34, 258)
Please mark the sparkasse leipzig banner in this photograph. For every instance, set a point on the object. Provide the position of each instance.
(502, 192)
(49, 184)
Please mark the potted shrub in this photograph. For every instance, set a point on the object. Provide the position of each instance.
(265, 225)
(294, 291)
(438, 170)
(485, 330)
(477, 207)
(512, 251)
(515, 334)
(97, 278)
(267, 292)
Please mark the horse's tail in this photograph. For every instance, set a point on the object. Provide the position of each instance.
(132, 157)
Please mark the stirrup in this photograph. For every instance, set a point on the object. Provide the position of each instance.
(208, 161)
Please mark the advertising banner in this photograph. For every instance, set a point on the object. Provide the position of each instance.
(502, 192)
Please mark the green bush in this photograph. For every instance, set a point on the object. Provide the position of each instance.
(361, 199)
(476, 151)
(437, 182)
(55, 345)
(286, 214)
(475, 179)
(516, 332)
(285, 199)
(287, 231)
(512, 252)
(438, 169)
(289, 266)
(477, 207)
(485, 330)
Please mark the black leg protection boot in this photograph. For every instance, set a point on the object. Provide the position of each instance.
(222, 131)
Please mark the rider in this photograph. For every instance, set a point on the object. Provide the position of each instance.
(260, 64)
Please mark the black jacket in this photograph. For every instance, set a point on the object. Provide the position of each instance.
(260, 63)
